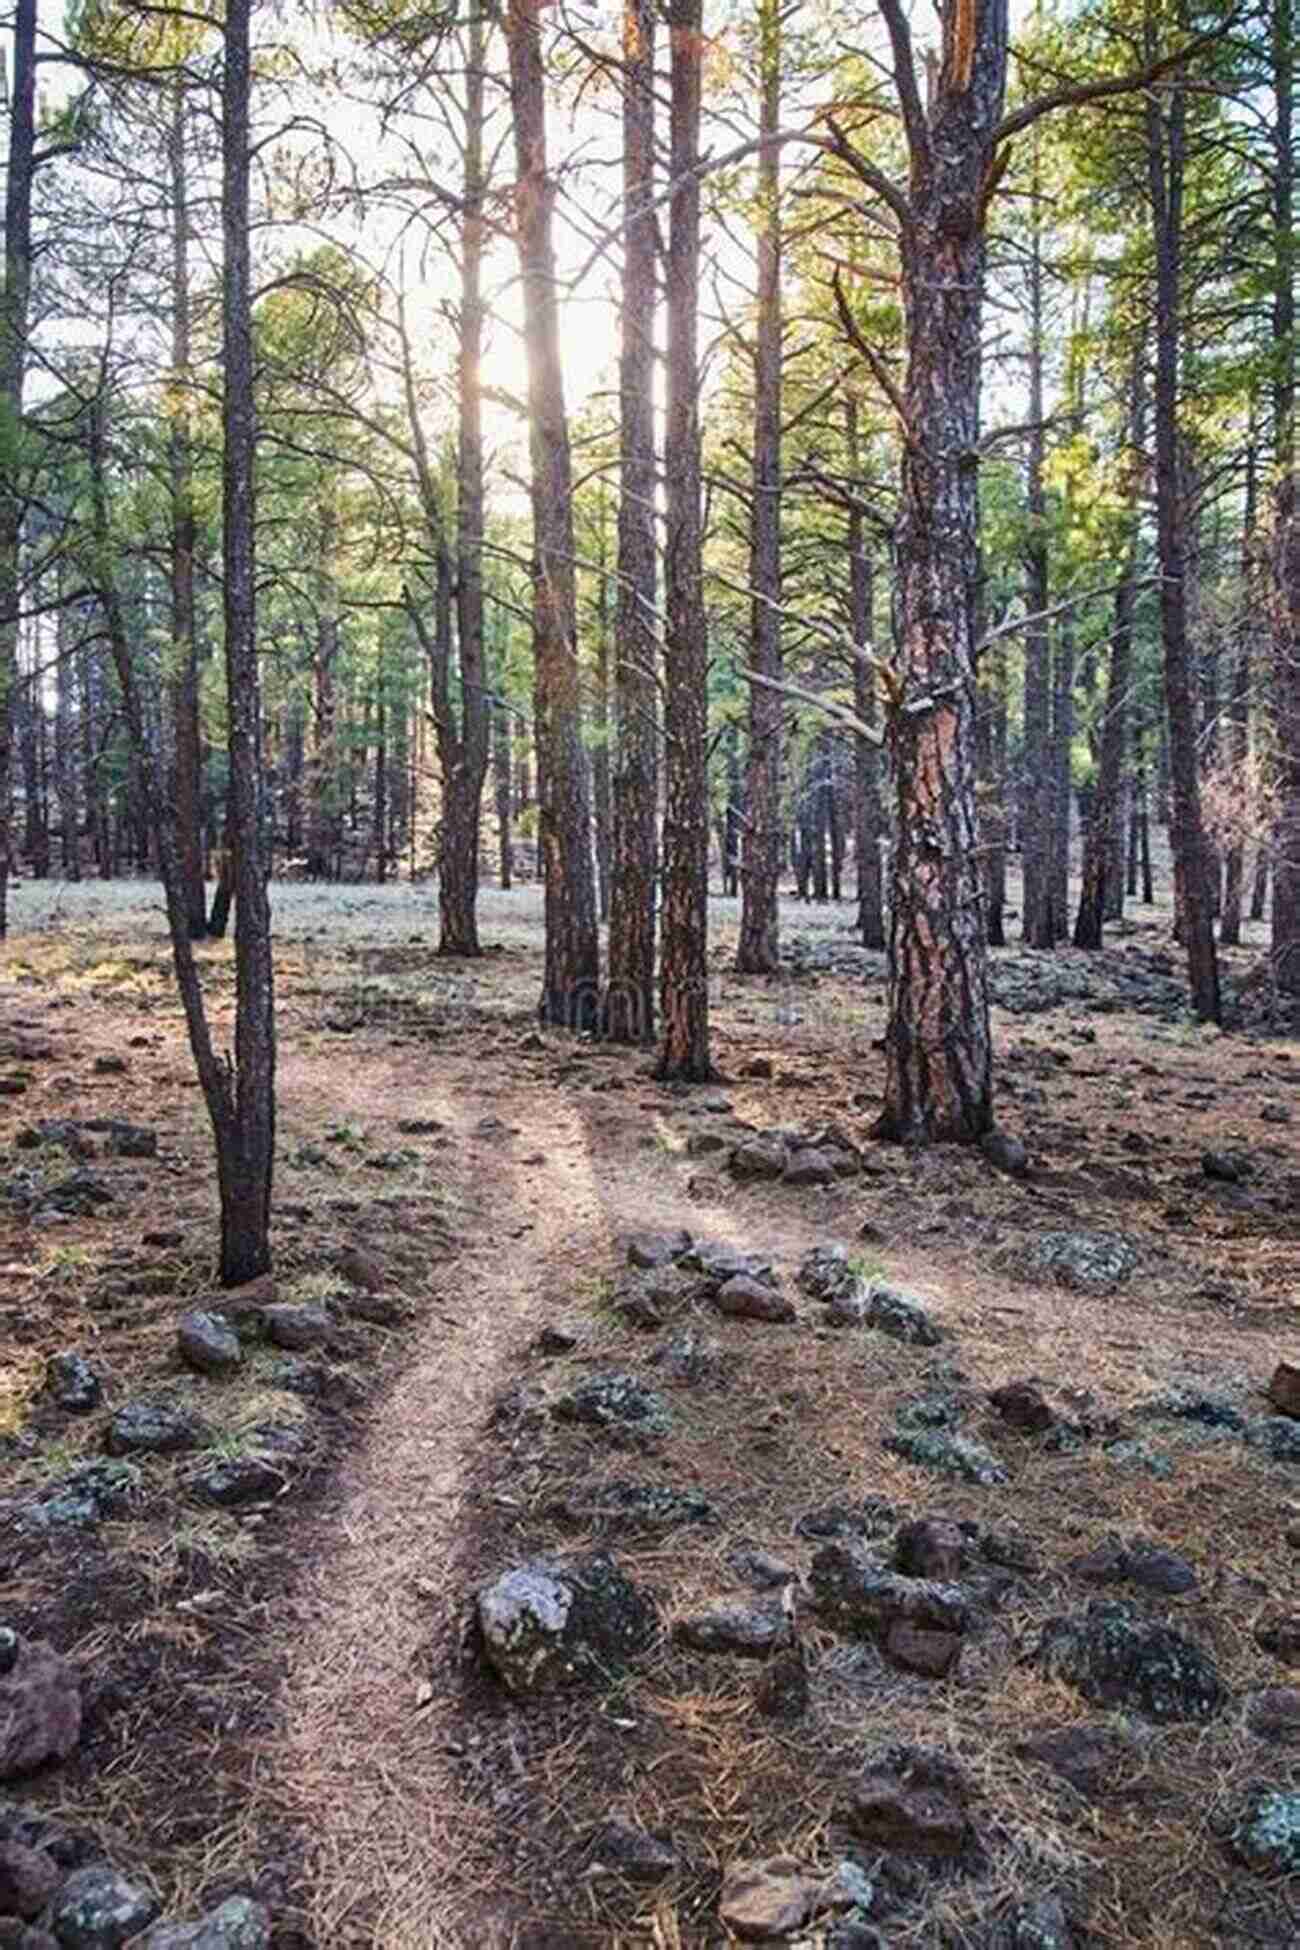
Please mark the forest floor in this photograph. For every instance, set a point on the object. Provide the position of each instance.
(288, 1694)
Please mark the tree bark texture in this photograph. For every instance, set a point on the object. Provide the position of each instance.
(569, 986)
(15, 306)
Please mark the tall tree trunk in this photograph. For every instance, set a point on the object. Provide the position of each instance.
(1107, 809)
(503, 763)
(628, 1012)
(15, 304)
(1040, 923)
(684, 984)
(1286, 677)
(1238, 738)
(602, 803)
(938, 1053)
(184, 784)
(324, 818)
(569, 986)
(757, 950)
(869, 817)
(731, 818)
(245, 1128)
(1166, 137)
(65, 753)
(1061, 803)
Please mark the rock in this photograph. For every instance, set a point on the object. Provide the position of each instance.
(208, 1343)
(127, 1140)
(1227, 1167)
(297, 1328)
(756, 1159)
(1092, 1758)
(1086, 1262)
(79, 1195)
(1113, 1657)
(379, 1309)
(952, 1455)
(1279, 1633)
(1193, 1404)
(765, 1900)
(652, 1249)
(28, 1878)
(751, 1630)
(1103, 1564)
(1005, 1153)
(762, 1570)
(617, 1404)
(825, 1272)
(934, 1654)
(782, 1691)
(810, 1168)
(636, 1507)
(239, 1480)
(108, 1066)
(1156, 1569)
(1284, 1388)
(15, 1935)
(1274, 1713)
(695, 1359)
(1267, 1837)
(1021, 1405)
(361, 1269)
(548, 1623)
(83, 1496)
(239, 1924)
(556, 1340)
(746, 1299)
(40, 1706)
(932, 1547)
(852, 1935)
(1129, 1453)
(1010, 1549)
(853, 1591)
(98, 1909)
(716, 1263)
(632, 1852)
(758, 1067)
(1277, 1435)
(72, 1384)
(156, 1425)
(900, 1315)
(912, 1802)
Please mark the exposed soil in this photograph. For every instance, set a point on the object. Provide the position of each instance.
(291, 1697)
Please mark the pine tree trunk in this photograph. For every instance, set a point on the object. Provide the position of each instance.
(15, 303)
(628, 1008)
(185, 783)
(1286, 675)
(569, 987)
(1165, 157)
(1107, 809)
(938, 1053)
(868, 811)
(1239, 703)
(1041, 925)
(757, 952)
(684, 988)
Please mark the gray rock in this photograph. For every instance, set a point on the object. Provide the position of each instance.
(556, 1340)
(15, 1935)
(695, 1359)
(762, 1902)
(912, 1802)
(72, 1384)
(825, 1273)
(1193, 1404)
(98, 1909)
(1227, 1167)
(873, 1517)
(1274, 1714)
(1131, 1453)
(156, 1425)
(716, 1262)
(208, 1343)
(1284, 1388)
(1155, 1569)
(1267, 1837)
(856, 1593)
(618, 1404)
(237, 1480)
(1005, 1153)
(1022, 1405)
(751, 1630)
(900, 1315)
(762, 1570)
(782, 1693)
(239, 1924)
(810, 1167)
(79, 1195)
(743, 1298)
(82, 1497)
(28, 1878)
(633, 1852)
(1086, 1262)
(40, 1706)
(1039, 1925)
(756, 1159)
(297, 1328)
(1114, 1657)
(127, 1140)
(960, 1456)
(551, 1623)
(933, 1547)
(651, 1249)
